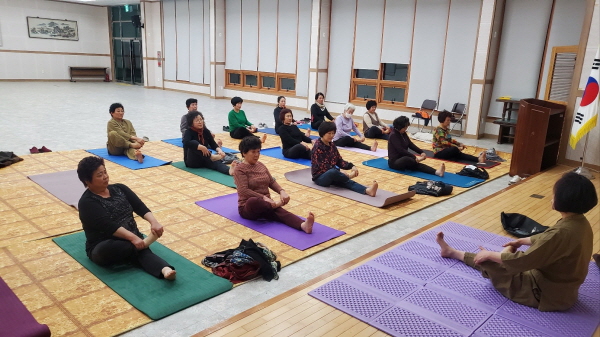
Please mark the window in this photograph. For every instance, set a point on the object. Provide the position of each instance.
(256, 80)
(387, 86)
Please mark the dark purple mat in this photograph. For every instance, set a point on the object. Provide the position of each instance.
(226, 206)
(63, 185)
(412, 291)
(15, 319)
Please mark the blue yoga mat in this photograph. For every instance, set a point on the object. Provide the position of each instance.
(448, 178)
(275, 152)
(306, 126)
(124, 161)
(271, 131)
(177, 142)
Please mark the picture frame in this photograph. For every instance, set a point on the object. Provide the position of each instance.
(44, 28)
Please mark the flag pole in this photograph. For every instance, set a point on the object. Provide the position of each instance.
(582, 170)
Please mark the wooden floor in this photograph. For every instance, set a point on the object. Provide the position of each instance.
(295, 313)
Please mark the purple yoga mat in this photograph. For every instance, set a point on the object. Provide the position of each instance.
(15, 319)
(63, 185)
(412, 291)
(226, 206)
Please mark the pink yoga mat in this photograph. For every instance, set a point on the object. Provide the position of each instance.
(226, 206)
(15, 319)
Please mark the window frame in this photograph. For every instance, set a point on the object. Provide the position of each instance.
(233, 85)
(259, 85)
(379, 84)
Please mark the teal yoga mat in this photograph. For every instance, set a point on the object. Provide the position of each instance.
(448, 178)
(154, 297)
(211, 175)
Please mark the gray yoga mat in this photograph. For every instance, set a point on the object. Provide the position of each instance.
(63, 185)
(382, 198)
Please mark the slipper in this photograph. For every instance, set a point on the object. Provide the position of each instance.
(45, 149)
(34, 150)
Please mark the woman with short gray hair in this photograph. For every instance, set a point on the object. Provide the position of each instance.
(344, 125)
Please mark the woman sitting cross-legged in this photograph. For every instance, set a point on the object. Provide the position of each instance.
(399, 157)
(253, 181)
(318, 112)
(373, 127)
(294, 143)
(326, 163)
(239, 126)
(122, 139)
(106, 213)
(277, 112)
(345, 124)
(198, 141)
(548, 274)
(444, 147)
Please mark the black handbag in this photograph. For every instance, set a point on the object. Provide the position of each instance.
(520, 225)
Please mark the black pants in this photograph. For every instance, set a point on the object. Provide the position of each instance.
(351, 142)
(196, 159)
(409, 163)
(375, 132)
(315, 125)
(239, 133)
(453, 153)
(297, 151)
(118, 251)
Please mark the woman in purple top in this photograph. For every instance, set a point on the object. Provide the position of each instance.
(399, 156)
(344, 125)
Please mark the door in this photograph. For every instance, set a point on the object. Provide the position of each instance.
(128, 61)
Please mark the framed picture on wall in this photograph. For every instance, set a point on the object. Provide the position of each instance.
(43, 28)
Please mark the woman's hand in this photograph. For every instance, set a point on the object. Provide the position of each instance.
(482, 256)
(270, 201)
(421, 157)
(461, 146)
(307, 146)
(307, 133)
(518, 243)
(138, 243)
(220, 152)
(285, 198)
(157, 229)
(386, 130)
(361, 139)
(205, 151)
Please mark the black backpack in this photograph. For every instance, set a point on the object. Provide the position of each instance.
(430, 187)
(474, 171)
(520, 225)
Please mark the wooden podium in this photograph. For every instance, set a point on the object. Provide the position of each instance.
(537, 136)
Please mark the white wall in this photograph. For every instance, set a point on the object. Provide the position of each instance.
(22, 57)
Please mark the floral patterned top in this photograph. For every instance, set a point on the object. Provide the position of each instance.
(325, 157)
(442, 140)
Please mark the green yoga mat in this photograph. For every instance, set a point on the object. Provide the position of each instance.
(154, 297)
(212, 175)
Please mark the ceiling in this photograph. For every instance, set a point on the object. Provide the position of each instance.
(105, 2)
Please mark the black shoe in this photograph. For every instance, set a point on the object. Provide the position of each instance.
(226, 128)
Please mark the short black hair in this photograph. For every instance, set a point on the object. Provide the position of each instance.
(443, 115)
(326, 127)
(370, 104)
(574, 193)
(86, 168)
(401, 122)
(283, 112)
(249, 143)
(319, 94)
(114, 107)
(191, 116)
(235, 100)
(279, 98)
(190, 101)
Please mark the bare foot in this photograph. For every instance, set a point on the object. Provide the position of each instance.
(374, 147)
(307, 225)
(135, 145)
(448, 251)
(216, 157)
(441, 171)
(232, 167)
(139, 156)
(148, 240)
(169, 273)
(482, 158)
(263, 138)
(220, 143)
(372, 190)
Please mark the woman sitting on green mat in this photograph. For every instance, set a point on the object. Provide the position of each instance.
(326, 163)
(444, 147)
(546, 276)
(198, 141)
(122, 139)
(399, 157)
(294, 143)
(253, 181)
(106, 213)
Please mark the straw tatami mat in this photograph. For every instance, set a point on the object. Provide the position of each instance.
(295, 313)
(73, 302)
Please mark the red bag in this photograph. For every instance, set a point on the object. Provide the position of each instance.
(235, 273)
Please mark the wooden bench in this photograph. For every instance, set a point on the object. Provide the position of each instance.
(88, 72)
